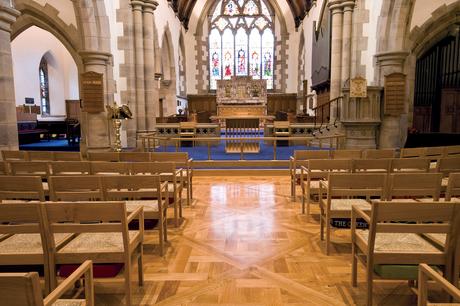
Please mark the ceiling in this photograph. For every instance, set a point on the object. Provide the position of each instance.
(184, 8)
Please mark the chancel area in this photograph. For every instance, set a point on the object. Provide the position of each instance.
(229, 152)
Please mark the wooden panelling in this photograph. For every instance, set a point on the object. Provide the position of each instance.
(395, 94)
(201, 103)
(281, 103)
(92, 86)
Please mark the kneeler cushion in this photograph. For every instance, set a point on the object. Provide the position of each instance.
(99, 270)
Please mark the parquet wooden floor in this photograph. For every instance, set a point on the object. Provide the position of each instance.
(244, 243)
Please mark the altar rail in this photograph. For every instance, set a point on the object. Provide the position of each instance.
(152, 142)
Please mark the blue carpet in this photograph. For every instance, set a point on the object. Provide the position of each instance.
(52, 145)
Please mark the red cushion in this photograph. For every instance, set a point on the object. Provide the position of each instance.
(99, 270)
(149, 224)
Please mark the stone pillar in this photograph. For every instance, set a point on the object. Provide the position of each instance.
(393, 130)
(335, 6)
(151, 88)
(346, 40)
(95, 126)
(8, 121)
(137, 7)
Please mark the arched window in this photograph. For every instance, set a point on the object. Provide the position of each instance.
(241, 41)
(44, 87)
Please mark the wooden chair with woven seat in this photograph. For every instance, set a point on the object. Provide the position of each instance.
(110, 168)
(372, 165)
(412, 152)
(301, 158)
(346, 154)
(32, 168)
(13, 155)
(183, 162)
(343, 190)
(22, 188)
(411, 187)
(39, 155)
(317, 170)
(453, 188)
(379, 153)
(410, 165)
(104, 156)
(425, 274)
(145, 191)
(168, 173)
(134, 156)
(393, 246)
(447, 166)
(105, 241)
(23, 289)
(76, 188)
(70, 168)
(67, 156)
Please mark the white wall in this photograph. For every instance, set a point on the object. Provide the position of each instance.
(423, 10)
(65, 8)
(28, 49)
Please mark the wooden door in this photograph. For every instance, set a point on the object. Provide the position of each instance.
(450, 111)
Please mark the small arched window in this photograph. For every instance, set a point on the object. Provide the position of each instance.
(241, 41)
(44, 87)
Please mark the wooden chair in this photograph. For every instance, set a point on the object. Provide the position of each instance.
(183, 162)
(134, 157)
(109, 168)
(412, 152)
(452, 151)
(410, 165)
(13, 155)
(346, 154)
(67, 156)
(344, 190)
(104, 156)
(315, 171)
(425, 274)
(107, 241)
(410, 186)
(30, 168)
(76, 188)
(301, 158)
(4, 169)
(21, 188)
(372, 165)
(435, 153)
(39, 155)
(394, 238)
(281, 129)
(73, 168)
(453, 188)
(187, 131)
(144, 191)
(447, 166)
(23, 289)
(379, 153)
(170, 174)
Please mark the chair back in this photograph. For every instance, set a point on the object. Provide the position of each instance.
(20, 218)
(434, 153)
(379, 153)
(76, 188)
(39, 155)
(412, 152)
(30, 168)
(109, 168)
(453, 151)
(448, 165)
(4, 169)
(70, 168)
(453, 187)
(21, 188)
(11, 155)
(311, 154)
(104, 156)
(343, 154)
(414, 185)
(180, 158)
(356, 185)
(372, 165)
(131, 187)
(134, 156)
(410, 165)
(67, 156)
(21, 289)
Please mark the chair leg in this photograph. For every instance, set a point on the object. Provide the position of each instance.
(128, 293)
(328, 236)
(176, 212)
(160, 230)
(321, 227)
(140, 266)
(165, 225)
(303, 204)
(354, 266)
(370, 277)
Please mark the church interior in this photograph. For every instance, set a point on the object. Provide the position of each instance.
(229, 152)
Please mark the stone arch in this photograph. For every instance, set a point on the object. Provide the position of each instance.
(168, 70)
(182, 67)
(301, 67)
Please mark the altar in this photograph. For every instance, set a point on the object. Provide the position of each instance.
(241, 110)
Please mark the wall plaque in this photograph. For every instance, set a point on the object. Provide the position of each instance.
(395, 94)
(358, 88)
(92, 84)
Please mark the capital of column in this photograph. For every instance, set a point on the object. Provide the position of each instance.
(391, 58)
(348, 5)
(335, 6)
(137, 5)
(150, 6)
(8, 16)
(95, 57)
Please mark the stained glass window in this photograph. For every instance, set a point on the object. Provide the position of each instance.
(241, 41)
(44, 87)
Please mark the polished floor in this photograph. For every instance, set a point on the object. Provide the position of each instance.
(243, 242)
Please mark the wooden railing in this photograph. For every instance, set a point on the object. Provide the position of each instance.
(327, 108)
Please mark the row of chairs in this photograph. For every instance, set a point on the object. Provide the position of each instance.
(168, 171)
(340, 191)
(58, 234)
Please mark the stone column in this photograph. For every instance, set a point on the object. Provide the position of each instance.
(346, 40)
(151, 88)
(8, 121)
(95, 126)
(393, 130)
(137, 7)
(335, 6)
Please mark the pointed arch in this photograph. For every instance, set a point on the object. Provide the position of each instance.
(182, 67)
